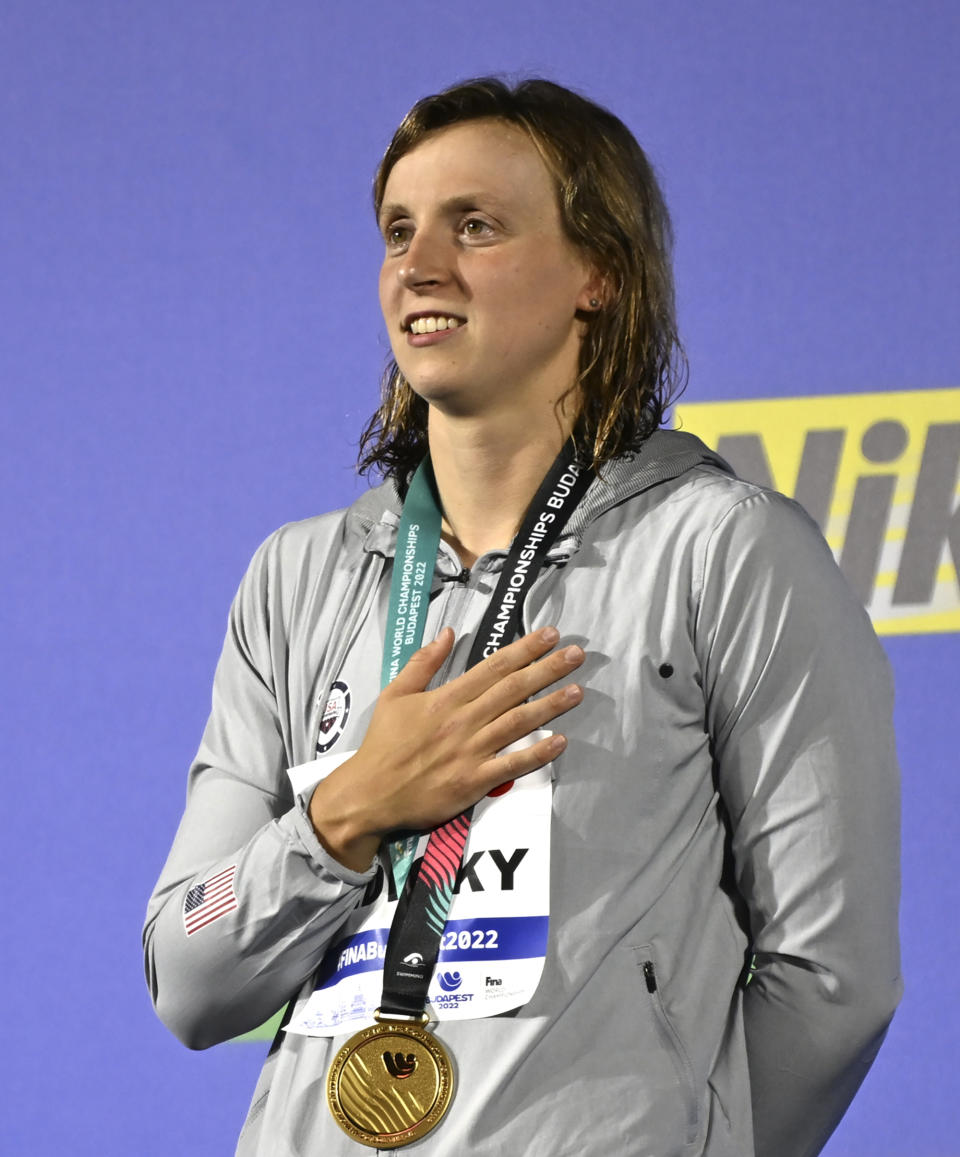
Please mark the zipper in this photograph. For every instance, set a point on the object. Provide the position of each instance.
(456, 589)
(674, 1047)
(351, 615)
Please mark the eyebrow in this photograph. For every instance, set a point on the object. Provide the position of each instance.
(390, 210)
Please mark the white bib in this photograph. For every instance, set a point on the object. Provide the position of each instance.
(493, 946)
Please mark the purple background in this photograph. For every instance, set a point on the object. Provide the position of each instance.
(190, 343)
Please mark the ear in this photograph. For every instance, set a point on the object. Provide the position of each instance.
(595, 293)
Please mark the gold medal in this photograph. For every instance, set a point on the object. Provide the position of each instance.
(390, 1084)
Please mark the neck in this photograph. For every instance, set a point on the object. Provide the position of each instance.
(487, 473)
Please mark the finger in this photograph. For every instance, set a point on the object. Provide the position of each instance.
(514, 764)
(502, 663)
(515, 688)
(521, 721)
(422, 665)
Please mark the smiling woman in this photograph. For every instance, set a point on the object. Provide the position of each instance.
(619, 931)
(595, 186)
(473, 233)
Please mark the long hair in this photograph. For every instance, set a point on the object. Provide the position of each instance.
(611, 208)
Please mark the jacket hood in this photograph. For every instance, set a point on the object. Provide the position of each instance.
(665, 455)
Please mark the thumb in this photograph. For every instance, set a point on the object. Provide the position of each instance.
(423, 665)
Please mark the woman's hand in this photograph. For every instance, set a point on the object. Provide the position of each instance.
(429, 755)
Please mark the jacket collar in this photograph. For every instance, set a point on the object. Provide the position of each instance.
(665, 455)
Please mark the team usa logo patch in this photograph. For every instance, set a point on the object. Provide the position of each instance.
(335, 716)
(210, 900)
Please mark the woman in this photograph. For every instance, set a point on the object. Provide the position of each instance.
(717, 812)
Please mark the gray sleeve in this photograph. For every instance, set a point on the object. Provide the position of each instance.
(799, 704)
(234, 972)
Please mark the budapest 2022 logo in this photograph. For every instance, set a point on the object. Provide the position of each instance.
(879, 474)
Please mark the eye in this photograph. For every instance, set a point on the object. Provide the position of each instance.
(397, 235)
(475, 227)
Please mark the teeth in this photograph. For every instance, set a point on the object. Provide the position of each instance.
(432, 324)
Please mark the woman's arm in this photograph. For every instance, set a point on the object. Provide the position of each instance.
(799, 707)
(278, 896)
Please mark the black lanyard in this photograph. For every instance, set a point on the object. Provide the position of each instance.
(417, 928)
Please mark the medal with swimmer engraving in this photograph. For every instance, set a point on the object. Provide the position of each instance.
(390, 1084)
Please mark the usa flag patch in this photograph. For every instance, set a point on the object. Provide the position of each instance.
(210, 900)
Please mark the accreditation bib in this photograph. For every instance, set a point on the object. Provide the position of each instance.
(494, 942)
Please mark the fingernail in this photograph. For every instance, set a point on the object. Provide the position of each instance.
(557, 744)
(572, 692)
(549, 634)
(573, 654)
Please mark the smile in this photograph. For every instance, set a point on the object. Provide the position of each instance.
(431, 324)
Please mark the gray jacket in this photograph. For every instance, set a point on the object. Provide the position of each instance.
(729, 791)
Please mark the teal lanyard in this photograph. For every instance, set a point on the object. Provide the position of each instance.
(418, 539)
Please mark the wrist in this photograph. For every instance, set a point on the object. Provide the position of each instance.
(340, 828)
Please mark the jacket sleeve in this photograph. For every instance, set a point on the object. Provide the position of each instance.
(799, 704)
(284, 897)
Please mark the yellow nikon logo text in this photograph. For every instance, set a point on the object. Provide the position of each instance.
(879, 473)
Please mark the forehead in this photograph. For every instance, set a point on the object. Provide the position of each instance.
(476, 156)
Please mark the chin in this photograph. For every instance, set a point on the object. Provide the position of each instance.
(443, 394)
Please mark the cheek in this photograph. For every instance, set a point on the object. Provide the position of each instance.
(544, 302)
(548, 279)
(521, 294)
(495, 283)
(384, 285)
(388, 309)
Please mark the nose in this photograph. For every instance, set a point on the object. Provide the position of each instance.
(426, 263)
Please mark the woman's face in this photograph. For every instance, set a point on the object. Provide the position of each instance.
(476, 254)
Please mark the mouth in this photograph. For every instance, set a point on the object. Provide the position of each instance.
(431, 322)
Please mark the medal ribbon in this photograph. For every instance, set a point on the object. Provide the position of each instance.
(426, 893)
(418, 538)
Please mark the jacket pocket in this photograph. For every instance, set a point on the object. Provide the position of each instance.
(670, 1041)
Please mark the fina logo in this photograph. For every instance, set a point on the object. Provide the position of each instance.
(413, 958)
(450, 981)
